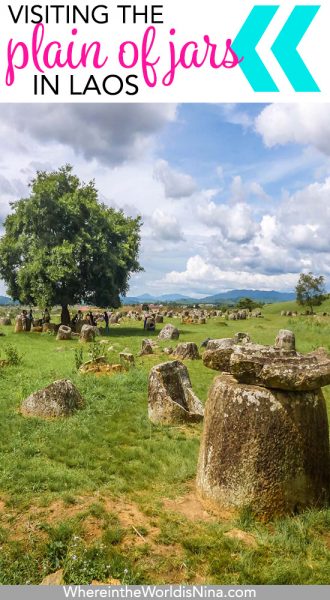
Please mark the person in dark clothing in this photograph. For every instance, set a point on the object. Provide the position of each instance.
(74, 321)
(91, 319)
(106, 320)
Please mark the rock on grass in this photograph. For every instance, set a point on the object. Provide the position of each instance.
(59, 399)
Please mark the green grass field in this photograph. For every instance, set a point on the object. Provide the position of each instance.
(106, 495)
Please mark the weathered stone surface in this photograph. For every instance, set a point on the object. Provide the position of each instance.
(217, 354)
(126, 358)
(168, 351)
(48, 327)
(59, 399)
(146, 348)
(114, 319)
(159, 319)
(18, 324)
(54, 578)
(242, 338)
(242, 315)
(266, 449)
(79, 325)
(150, 324)
(87, 334)
(187, 350)
(169, 332)
(285, 340)
(100, 366)
(170, 395)
(5, 321)
(268, 367)
(64, 333)
(89, 365)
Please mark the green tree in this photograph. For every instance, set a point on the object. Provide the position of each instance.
(62, 246)
(248, 303)
(310, 290)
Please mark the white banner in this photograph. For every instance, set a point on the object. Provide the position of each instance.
(170, 51)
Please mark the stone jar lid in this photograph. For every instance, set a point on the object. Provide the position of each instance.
(272, 368)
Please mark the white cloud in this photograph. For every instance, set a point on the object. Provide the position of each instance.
(235, 222)
(307, 124)
(236, 115)
(243, 190)
(304, 219)
(176, 184)
(165, 226)
(256, 189)
(268, 253)
(199, 274)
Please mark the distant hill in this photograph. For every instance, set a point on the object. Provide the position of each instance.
(5, 300)
(145, 298)
(268, 297)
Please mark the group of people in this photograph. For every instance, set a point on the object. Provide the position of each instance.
(28, 319)
(89, 319)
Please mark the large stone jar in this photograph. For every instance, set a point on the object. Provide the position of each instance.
(266, 449)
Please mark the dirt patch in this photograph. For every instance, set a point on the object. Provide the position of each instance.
(129, 515)
(326, 539)
(189, 506)
(29, 521)
(166, 561)
(195, 508)
(137, 525)
(92, 529)
(242, 536)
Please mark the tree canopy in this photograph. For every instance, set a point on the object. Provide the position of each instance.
(248, 304)
(63, 246)
(310, 290)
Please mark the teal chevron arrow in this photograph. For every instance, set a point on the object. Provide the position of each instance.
(285, 49)
(245, 46)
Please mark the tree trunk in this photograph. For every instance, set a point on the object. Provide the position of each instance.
(65, 315)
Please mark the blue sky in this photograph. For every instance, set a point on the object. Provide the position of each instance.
(231, 196)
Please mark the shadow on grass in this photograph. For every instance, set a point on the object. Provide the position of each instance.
(131, 332)
(140, 333)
